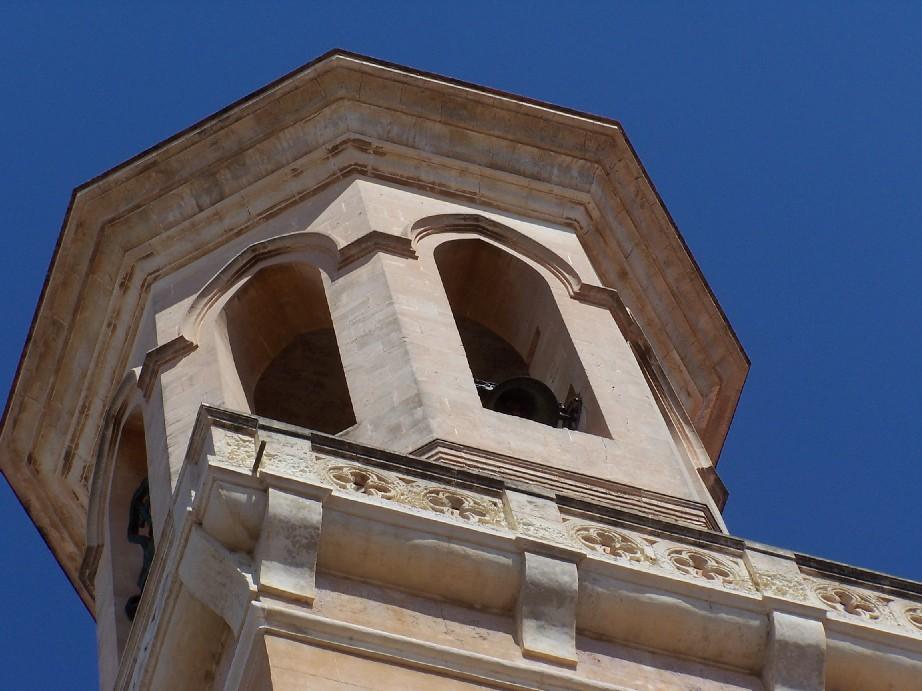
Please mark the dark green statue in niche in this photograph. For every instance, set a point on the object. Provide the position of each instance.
(141, 533)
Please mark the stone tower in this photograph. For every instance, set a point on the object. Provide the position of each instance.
(381, 380)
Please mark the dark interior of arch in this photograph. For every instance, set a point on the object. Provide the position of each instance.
(489, 355)
(510, 324)
(129, 472)
(306, 386)
(283, 343)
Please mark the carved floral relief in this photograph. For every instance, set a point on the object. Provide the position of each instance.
(452, 502)
(611, 543)
(239, 450)
(786, 585)
(848, 601)
(296, 467)
(360, 480)
(914, 616)
(543, 530)
(447, 501)
(703, 565)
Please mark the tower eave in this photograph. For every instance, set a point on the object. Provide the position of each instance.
(573, 170)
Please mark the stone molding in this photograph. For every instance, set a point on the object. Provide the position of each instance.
(315, 248)
(126, 399)
(159, 358)
(371, 243)
(475, 224)
(267, 619)
(571, 486)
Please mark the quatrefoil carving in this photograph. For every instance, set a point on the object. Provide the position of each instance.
(702, 565)
(610, 542)
(848, 601)
(914, 616)
(451, 502)
(363, 481)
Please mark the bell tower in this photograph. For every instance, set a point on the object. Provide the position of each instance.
(380, 380)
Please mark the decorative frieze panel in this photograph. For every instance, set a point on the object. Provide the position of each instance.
(649, 553)
(299, 467)
(859, 605)
(237, 449)
(606, 493)
(755, 571)
(365, 481)
(782, 585)
(848, 601)
(703, 565)
(378, 484)
(539, 529)
(612, 543)
(914, 616)
(420, 494)
(453, 502)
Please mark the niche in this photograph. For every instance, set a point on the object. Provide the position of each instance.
(519, 350)
(131, 535)
(281, 339)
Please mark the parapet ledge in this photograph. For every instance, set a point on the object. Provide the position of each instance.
(633, 546)
(275, 505)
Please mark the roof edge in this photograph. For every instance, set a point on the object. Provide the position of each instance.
(675, 227)
(357, 57)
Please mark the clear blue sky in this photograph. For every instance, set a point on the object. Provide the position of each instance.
(784, 138)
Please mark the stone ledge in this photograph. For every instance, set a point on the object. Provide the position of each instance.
(463, 548)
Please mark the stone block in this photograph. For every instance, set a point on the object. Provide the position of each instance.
(546, 610)
(796, 659)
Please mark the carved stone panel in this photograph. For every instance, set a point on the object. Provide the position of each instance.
(365, 481)
(914, 616)
(704, 566)
(848, 601)
(453, 502)
(611, 543)
(420, 494)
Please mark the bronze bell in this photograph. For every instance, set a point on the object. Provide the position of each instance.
(524, 397)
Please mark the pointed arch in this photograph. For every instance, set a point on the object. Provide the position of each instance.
(265, 319)
(126, 399)
(276, 334)
(512, 329)
(316, 249)
(475, 224)
(120, 527)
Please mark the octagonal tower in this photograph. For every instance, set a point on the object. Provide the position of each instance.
(378, 379)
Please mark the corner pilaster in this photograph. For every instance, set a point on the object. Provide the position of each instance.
(796, 655)
(546, 607)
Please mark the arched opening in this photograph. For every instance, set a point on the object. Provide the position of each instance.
(280, 336)
(131, 530)
(518, 347)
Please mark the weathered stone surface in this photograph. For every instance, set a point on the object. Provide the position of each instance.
(546, 611)
(286, 555)
(797, 654)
